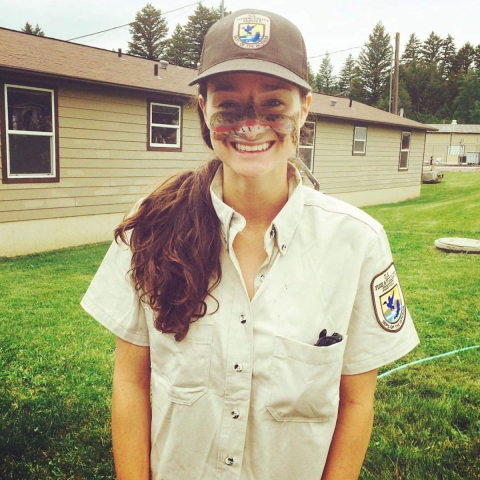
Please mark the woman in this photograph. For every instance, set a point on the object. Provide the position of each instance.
(257, 310)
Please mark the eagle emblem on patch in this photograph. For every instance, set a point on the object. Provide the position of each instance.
(388, 301)
(251, 31)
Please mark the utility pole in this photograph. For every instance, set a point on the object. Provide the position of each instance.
(390, 87)
(396, 75)
(223, 8)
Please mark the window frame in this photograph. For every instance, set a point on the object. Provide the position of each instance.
(356, 152)
(5, 132)
(308, 147)
(167, 147)
(403, 150)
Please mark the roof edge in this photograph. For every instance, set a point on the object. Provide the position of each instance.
(418, 126)
(67, 78)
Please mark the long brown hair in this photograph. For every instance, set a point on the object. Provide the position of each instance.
(176, 246)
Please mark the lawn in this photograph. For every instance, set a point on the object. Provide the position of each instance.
(56, 362)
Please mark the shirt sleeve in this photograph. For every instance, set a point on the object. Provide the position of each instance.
(112, 300)
(381, 329)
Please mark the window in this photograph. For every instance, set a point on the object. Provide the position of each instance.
(165, 126)
(456, 149)
(404, 151)
(306, 145)
(360, 141)
(30, 151)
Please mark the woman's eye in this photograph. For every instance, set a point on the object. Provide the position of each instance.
(273, 103)
(227, 104)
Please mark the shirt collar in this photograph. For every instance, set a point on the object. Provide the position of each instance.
(284, 224)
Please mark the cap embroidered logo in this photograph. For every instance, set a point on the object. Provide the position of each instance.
(251, 31)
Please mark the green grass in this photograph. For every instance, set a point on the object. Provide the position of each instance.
(56, 362)
(428, 415)
(55, 370)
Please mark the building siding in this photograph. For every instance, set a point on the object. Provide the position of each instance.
(104, 163)
(105, 167)
(437, 145)
(339, 171)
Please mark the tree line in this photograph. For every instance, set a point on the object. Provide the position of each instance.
(438, 82)
(149, 35)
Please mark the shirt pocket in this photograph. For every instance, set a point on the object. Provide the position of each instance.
(182, 369)
(304, 381)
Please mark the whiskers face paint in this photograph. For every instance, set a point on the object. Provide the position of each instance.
(238, 126)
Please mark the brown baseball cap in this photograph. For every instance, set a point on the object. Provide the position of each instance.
(255, 41)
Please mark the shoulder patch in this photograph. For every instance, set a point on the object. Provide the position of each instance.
(388, 301)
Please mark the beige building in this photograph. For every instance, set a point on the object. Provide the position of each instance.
(453, 144)
(85, 132)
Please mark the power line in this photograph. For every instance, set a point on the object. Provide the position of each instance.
(338, 51)
(127, 24)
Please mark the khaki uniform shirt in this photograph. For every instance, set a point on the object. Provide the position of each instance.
(247, 395)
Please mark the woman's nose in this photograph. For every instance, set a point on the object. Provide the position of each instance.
(251, 129)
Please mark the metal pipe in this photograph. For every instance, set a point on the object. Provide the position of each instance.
(303, 169)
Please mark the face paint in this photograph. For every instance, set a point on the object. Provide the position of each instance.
(296, 129)
(235, 126)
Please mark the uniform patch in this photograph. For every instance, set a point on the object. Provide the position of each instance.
(251, 31)
(388, 301)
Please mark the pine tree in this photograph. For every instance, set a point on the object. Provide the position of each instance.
(431, 50)
(348, 72)
(148, 31)
(311, 77)
(176, 47)
(195, 30)
(325, 80)
(448, 54)
(374, 63)
(436, 93)
(356, 89)
(465, 58)
(415, 78)
(412, 50)
(467, 103)
(33, 31)
(477, 58)
(404, 100)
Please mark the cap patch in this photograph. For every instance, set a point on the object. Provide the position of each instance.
(251, 31)
(388, 301)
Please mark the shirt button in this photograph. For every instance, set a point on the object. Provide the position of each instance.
(243, 318)
(284, 247)
(238, 367)
(272, 233)
(235, 414)
(262, 277)
(229, 461)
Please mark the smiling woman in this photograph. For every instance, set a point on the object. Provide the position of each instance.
(222, 282)
(254, 122)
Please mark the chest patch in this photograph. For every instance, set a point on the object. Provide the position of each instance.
(388, 301)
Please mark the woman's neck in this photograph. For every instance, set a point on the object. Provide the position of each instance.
(259, 200)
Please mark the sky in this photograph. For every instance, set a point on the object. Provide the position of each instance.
(330, 26)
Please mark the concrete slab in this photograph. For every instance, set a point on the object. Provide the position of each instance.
(458, 245)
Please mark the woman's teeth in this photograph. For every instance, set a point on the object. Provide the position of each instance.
(252, 148)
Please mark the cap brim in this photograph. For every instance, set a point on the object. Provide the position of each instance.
(253, 66)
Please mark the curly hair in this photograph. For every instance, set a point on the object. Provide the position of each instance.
(176, 245)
